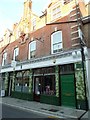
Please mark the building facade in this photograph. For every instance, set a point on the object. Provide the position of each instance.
(41, 59)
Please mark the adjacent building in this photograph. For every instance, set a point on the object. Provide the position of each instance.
(41, 58)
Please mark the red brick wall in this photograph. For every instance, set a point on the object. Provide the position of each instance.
(42, 48)
(86, 29)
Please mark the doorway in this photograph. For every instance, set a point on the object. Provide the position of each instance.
(67, 85)
(68, 90)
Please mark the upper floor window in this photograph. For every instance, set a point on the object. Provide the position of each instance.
(4, 59)
(34, 23)
(56, 12)
(56, 42)
(67, 1)
(17, 34)
(16, 53)
(32, 49)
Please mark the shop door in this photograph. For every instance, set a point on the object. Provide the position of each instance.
(68, 90)
(37, 88)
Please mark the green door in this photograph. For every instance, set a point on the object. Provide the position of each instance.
(68, 90)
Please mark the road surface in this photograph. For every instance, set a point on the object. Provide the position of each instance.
(13, 112)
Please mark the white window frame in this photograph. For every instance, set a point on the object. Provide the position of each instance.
(34, 23)
(56, 12)
(52, 42)
(4, 58)
(16, 52)
(34, 49)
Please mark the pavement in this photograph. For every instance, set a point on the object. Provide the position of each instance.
(51, 110)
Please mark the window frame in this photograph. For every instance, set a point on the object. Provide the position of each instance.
(52, 42)
(4, 58)
(34, 24)
(56, 12)
(32, 42)
(14, 53)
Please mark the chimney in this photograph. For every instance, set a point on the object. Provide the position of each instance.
(14, 25)
(28, 4)
(27, 7)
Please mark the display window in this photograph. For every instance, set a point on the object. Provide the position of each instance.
(22, 81)
(44, 81)
(49, 85)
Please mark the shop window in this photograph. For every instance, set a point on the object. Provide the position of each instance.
(26, 81)
(25, 85)
(44, 81)
(37, 86)
(47, 70)
(22, 82)
(38, 71)
(49, 85)
(18, 83)
(69, 68)
(56, 42)
(22, 85)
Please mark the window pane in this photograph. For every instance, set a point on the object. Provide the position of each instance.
(5, 55)
(49, 85)
(16, 51)
(25, 84)
(57, 37)
(56, 12)
(56, 41)
(59, 14)
(32, 54)
(58, 9)
(18, 84)
(33, 46)
(57, 46)
(34, 23)
(4, 60)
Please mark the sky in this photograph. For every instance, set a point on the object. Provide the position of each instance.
(12, 10)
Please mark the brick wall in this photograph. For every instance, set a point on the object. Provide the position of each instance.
(42, 48)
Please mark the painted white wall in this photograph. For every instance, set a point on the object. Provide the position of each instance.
(88, 74)
(44, 63)
(56, 61)
(88, 79)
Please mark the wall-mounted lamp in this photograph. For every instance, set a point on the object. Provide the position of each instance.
(54, 61)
